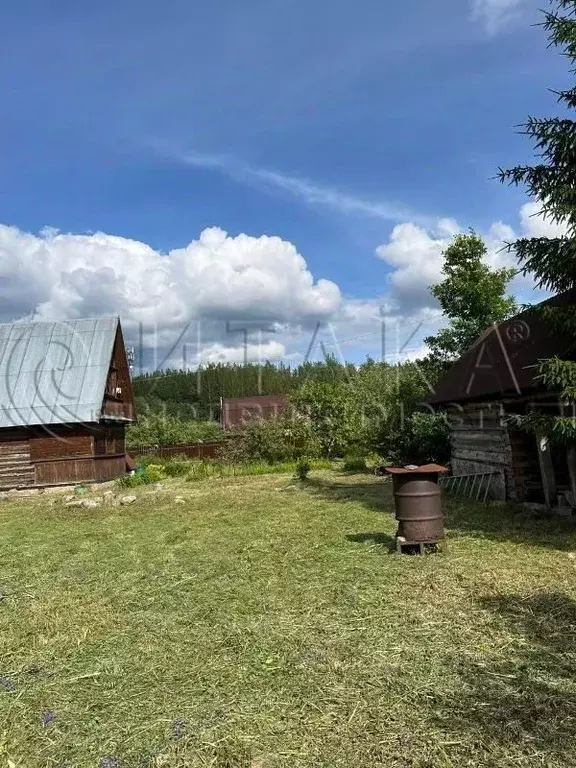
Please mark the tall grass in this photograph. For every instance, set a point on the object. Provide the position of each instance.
(202, 470)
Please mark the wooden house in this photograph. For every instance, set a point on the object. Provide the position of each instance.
(240, 411)
(495, 379)
(65, 401)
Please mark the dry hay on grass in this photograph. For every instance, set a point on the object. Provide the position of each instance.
(266, 624)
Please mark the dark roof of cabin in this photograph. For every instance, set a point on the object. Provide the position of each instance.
(503, 361)
(54, 373)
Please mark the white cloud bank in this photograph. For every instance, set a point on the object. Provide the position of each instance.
(217, 279)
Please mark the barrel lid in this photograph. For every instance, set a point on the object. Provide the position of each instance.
(425, 469)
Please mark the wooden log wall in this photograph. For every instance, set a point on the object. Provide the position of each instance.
(480, 443)
(61, 455)
(15, 466)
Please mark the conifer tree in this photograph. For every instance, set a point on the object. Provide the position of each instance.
(551, 181)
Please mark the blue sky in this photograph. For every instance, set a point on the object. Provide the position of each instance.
(325, 124)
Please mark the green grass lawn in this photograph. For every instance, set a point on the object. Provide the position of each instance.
(265, 623)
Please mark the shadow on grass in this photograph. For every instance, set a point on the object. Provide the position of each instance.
(464, 517)
(527, 695)
(375, 537)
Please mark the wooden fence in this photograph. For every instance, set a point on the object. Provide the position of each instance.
(191, 450)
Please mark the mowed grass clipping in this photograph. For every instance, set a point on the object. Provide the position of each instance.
(265, 623)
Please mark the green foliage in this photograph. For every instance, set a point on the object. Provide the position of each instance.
(302, 469)
(472, 295)
(195, 395)
(155, 473)
(161, 429)
(354, 463)
(366, 411)
(423, 438)
(172, 466)
(284, 438)
(559, 376)
(144, 475)
(334, 411)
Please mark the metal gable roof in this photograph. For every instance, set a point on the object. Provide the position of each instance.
(54, 373)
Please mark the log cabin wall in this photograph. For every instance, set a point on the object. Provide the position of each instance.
(480, 442)
(63, 454)
(16, 468)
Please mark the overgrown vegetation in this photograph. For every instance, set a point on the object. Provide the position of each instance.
(155, 469)
(162, 429)
(264, 623)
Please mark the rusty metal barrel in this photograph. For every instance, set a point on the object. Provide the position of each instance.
(418, 502)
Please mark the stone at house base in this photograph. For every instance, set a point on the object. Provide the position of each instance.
(91, 503)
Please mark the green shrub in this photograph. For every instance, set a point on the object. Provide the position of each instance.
(287, 437)
(374, 460)
(132, 481)
(155, 473)
(354, 464)
(176, 466)
(302, 469)
(152, 473)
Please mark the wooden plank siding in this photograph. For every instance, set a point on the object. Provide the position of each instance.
(108, 467)
(65, 471)
(118, 398)
(479, 442)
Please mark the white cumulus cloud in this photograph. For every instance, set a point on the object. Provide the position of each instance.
(252, 353)
(224, 282)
